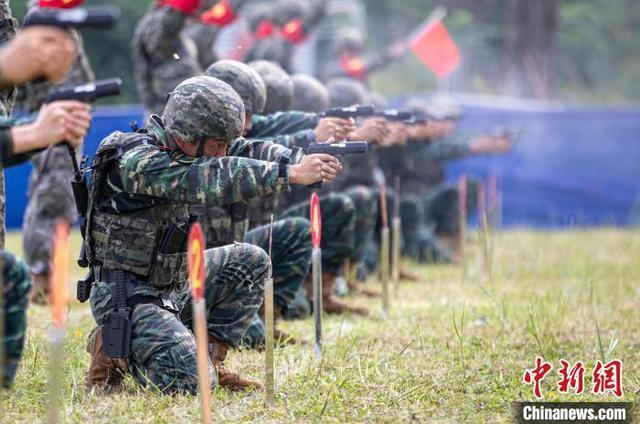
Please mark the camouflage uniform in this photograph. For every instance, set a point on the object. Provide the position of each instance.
(144, 189)
(276, 48)
(428, 207)
(16, 279)
(50, 195)
(16, 286)
(291, 250)
(7, 93)
(162, 56)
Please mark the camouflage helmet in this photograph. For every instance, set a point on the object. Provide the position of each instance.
(258, 13)
(345, 92)
(309, 94)
(244, 80)
(279, 85)
(203, 107)
(287, 10)
(348, 40)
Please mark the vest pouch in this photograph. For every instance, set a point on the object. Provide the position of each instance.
(124, 242)
(216, 223)
(169, 269)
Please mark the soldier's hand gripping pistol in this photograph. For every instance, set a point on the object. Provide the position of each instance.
(338, 150)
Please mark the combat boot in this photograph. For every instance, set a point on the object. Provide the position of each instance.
(40, 290)
(227, 379)
(357, 288)
(103, 371)
(330, 304)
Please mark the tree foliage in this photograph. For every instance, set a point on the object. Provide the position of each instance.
(588, 50)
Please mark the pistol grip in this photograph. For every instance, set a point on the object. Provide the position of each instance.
(315, 186)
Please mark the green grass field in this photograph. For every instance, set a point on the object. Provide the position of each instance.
(454, 347)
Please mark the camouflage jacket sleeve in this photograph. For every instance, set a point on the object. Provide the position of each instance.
(7, 157)
(265, 150)
(448, 148)
(8, 27)
(282, 123)
(299, 139)
(149, 171)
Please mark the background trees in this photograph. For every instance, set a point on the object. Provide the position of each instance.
(582, 51)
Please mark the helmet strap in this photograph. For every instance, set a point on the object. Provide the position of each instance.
(200, 151)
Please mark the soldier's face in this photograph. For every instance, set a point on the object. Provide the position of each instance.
(215, 148)
(212, 148)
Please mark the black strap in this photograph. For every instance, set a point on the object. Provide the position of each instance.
(119, 289)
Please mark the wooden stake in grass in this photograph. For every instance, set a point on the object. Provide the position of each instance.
(492, 200)
(316, 270)
(384, 250)
(486, 246)
(396, 227)
(462, 203)
(58, 301)
(269, 380)
(196, 263)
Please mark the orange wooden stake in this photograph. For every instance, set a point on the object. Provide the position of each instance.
(196, 260)
(58, 304)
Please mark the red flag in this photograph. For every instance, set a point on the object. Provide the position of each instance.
(60, 4)
(196, 261)
(436, 49)
(316, 220)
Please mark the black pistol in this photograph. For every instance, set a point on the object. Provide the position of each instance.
(338, 150)
(349, 112)
(77, 18)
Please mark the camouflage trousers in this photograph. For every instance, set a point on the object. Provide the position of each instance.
(163, 348)
(291, 257)
(16, 283)
(424, 218)
(50, 198)
(419, 240)
(366, 208)
(338, 228)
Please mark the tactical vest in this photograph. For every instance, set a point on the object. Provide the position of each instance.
(261, 209)
(222, 225)
(150, 243)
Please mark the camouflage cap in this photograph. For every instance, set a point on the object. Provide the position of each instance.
(345, 92)
(287, 10)
(244, 80)
(309, 94)
(203, 107)
(279, 85)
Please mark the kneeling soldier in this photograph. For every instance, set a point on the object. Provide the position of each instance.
(140, 192)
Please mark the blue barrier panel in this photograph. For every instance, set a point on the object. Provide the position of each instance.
(105, 120)
(570, 167)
